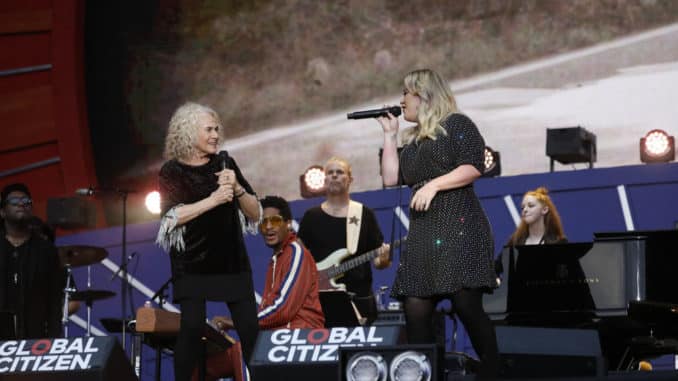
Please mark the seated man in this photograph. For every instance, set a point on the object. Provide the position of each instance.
(290, 298)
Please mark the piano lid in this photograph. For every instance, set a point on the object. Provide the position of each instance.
(663, 235)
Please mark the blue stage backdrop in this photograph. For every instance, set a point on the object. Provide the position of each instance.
(593, 200)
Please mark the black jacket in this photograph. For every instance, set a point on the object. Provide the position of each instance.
(38, 302)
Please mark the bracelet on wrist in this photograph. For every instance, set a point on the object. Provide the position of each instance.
(242, 192)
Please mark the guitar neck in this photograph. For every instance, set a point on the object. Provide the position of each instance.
(357, 261)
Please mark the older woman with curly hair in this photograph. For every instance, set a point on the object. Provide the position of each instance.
(206, 206)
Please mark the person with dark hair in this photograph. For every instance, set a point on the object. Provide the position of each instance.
(339, 229)
(539, 220)
(31, 280)
(207, 204)
(449, 253)
(290, 298)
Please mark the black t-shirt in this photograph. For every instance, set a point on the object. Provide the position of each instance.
(324, 234)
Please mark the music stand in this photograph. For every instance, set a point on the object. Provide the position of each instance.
(339, 309)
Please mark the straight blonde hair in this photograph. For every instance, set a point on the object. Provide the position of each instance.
(437, 102)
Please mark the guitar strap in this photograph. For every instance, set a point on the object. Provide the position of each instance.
(353, 222)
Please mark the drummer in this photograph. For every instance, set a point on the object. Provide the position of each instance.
(31, 280)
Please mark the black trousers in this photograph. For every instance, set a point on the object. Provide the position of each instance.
(189, 349)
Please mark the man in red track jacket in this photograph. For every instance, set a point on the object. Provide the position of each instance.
(290, 298)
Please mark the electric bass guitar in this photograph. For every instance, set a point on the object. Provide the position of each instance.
(332, 267)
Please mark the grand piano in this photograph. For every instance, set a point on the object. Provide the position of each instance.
(622, 284)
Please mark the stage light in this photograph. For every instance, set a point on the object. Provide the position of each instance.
(153, 202)
(411, 366)
(312, 182)
(570, 145)
(492, 163)
(657, 146)
(366, 366)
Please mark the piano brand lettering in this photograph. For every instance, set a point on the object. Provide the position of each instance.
(46, 355)
(564, 282)
(320, 345)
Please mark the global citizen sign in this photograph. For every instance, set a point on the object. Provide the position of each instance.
(318, 345)
(48, 355)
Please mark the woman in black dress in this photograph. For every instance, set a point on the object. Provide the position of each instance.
(450, 247)
(206, 205)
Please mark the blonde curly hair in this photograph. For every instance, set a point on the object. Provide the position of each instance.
(437, 102)
(183, 128)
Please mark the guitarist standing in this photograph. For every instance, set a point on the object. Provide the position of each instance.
(341, 225)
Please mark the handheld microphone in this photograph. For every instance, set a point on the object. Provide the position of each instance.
(84, 191)
(394, 110)
(92, 191)
(225, 160)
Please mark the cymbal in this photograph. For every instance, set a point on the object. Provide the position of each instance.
(91, 295)
(78, 255)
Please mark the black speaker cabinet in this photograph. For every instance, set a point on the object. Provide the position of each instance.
(571, 145)
(71, 213)
(73, 359)
(527, 352)
(413, 361)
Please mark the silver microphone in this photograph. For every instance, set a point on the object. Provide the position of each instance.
(84, 191)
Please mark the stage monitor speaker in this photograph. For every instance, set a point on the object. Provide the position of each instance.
(527, 352)
(71, 213)
(73, 359)
(401, 362)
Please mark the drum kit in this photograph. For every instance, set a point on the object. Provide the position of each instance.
(79, 256)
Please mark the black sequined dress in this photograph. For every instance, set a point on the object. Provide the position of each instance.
(450, 246)
(214, 266)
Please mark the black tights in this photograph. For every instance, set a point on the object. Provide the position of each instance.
(468, 304)
(189, 347)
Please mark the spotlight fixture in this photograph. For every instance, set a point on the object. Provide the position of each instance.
(364, 366)
(153, 202)
(657, 146)
(492, 163)
(312, 182)
(570, 145)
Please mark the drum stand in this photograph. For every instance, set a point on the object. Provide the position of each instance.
(88, 302)
(67, 298)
